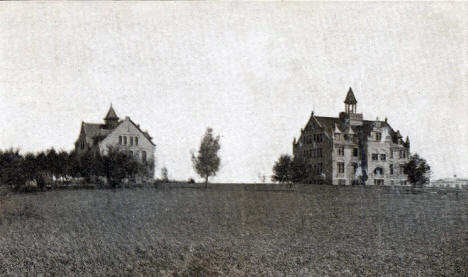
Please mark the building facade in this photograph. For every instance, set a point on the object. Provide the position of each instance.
(454, 183)
(348, 150)
(123, 135)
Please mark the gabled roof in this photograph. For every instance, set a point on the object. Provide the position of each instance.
(350, 99)
(332, 123)
(145, 133)
(111, 114)
(95, 132)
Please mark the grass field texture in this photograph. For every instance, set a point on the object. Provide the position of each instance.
(235, 230)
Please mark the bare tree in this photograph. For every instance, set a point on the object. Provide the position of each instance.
(206, 162)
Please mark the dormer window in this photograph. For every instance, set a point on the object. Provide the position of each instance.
(378, 136)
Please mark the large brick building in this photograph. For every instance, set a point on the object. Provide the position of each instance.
(124, 135)
(347, 150)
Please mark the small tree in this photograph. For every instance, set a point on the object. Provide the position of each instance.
(418, 171)
(282, 170)
(164, 174)
(206, 162)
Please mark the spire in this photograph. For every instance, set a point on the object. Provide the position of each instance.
(336, 130)
(111, 114)
(111, 119)
(407, 143)
(350, 99)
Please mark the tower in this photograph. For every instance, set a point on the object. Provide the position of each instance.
(111, 119)
(350, 102)
(350, 114)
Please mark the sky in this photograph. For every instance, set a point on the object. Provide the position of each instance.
(253, 72)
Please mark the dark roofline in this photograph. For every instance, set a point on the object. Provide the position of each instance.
(144, 133)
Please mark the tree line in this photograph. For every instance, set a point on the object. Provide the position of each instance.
(289, 169)
(53, 168)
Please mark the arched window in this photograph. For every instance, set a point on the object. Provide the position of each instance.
(378, 170)
(143, 156)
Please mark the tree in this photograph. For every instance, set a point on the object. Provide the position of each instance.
(206, 162)
(282, 170)
(300, 170)
(164, 174)
(11, 168)
(418, 171)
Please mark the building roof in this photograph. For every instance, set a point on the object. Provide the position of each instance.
(332, 123)
(350, 99)
(111, 114)
(95, 132)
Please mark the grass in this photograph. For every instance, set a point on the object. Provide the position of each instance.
(235, 230)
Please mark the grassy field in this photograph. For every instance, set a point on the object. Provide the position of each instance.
(235, 230)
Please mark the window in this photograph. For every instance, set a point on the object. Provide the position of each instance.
(316, 153)
(355, 152)
(125, 140)
(378, 170)
(130, 153)
(375, 157)
(320, 168)
(378, 136)
(82, 144)
(120, 140)
(355, 167)
(337, 136)
(340, 151)
(143, 156)
(391, 169)
(391, 154)
(383, 157)
(136, 140)
(340, 167)
(378, 182)
(402, 169)
(131, 141)
(317, 168)
(346, 137)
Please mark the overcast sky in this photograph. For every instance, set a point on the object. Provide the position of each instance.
(252, 71)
